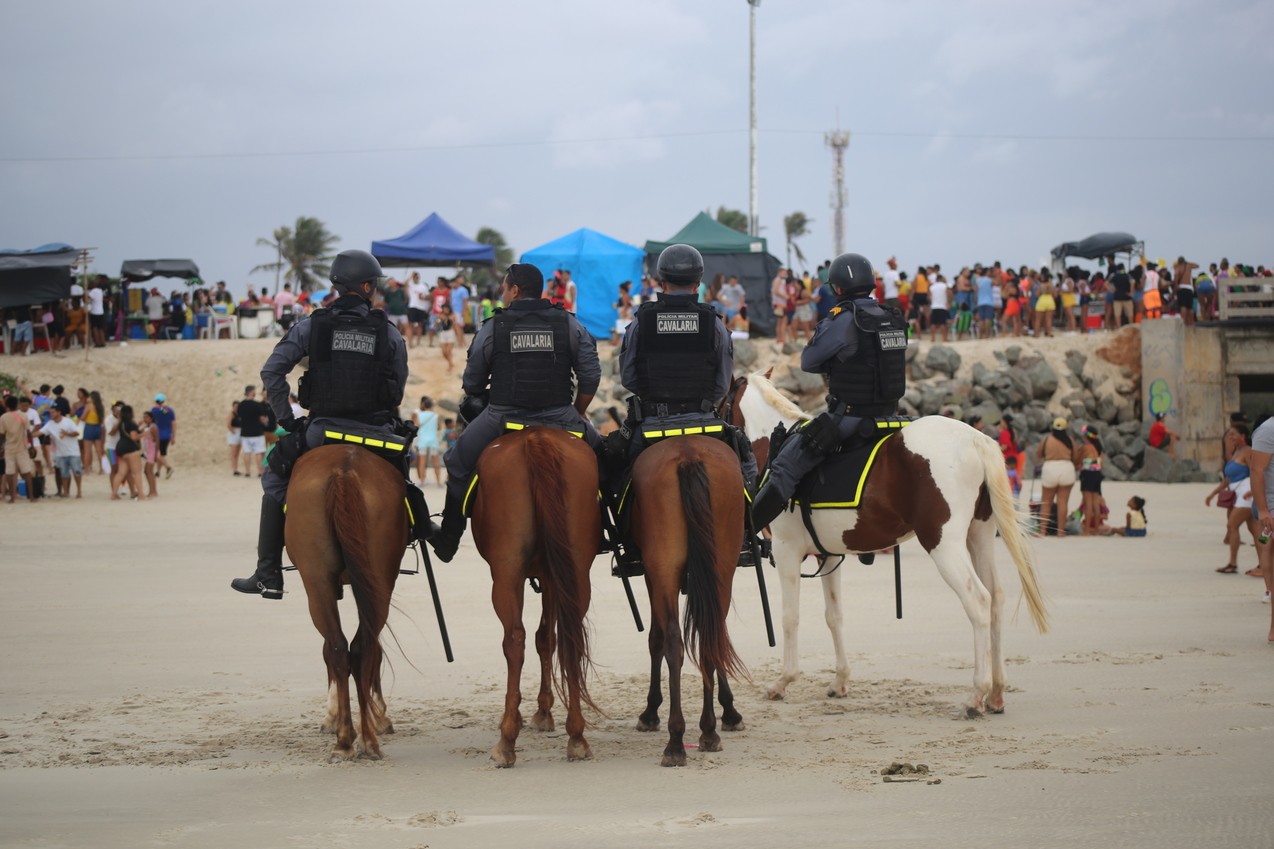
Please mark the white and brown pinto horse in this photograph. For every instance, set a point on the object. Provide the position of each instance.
(938, 480)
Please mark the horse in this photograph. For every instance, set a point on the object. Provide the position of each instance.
(687, 520)
(536, 516)
(936, 479)
(346, 522)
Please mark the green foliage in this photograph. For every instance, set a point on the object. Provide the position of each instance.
(8, 383)
(304, 253)
(733, 218)
(487, 278)
(795, 226)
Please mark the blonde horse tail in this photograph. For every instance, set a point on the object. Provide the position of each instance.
(1012, 526)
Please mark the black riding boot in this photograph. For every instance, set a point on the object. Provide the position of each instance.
(267, 581)
(766, 506)
(447, 539)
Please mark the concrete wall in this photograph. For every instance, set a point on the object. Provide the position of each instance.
(1192, 375)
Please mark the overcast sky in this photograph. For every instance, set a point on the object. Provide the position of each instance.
(980, 130)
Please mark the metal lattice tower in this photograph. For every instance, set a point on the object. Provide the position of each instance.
(838, 141)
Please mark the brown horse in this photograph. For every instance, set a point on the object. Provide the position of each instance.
(687, 519)
(536, 515)
(346, 524)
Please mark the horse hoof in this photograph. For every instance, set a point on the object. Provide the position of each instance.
(675, 759)
(774, 694)
(837, 692)
(340, 755)
(370, 754)
(328, 727)
(579, 753)
(387, 729)
(647, 724)
(503, 761)
(972, 713)
(542, 723)
(706, 745)
(995, 710)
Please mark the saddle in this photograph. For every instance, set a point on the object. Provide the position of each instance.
(838, 481)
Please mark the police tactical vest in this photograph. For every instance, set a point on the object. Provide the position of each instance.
(877, 372)
(350, 374)
(677, 356)
(531, 358)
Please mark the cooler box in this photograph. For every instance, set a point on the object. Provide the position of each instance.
(1093, 322)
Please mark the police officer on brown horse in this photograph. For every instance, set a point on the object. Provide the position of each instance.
(523, 365)
(357, 371)
(861, 346)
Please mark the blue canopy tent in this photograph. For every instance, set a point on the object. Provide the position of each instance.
(598, 264)
(432, 242)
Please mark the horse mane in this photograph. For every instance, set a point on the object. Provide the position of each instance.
(775, 398)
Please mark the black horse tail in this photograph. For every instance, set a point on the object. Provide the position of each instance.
(563, 597)
(704, 620)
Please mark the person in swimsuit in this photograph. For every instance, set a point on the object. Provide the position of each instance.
(1057, 476)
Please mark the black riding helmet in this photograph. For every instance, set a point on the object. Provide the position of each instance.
(353, 267)
(680, 265)
(851, 274)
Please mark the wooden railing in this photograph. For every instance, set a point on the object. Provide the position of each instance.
(1245, 298)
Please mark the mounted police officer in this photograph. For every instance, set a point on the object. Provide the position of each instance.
(357, 371)
(677, 359)
(520, 368)
(861, 346)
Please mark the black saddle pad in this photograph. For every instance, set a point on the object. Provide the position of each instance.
(838, 482)
(381, 443)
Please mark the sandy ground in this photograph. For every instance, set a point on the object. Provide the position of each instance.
(146, 704)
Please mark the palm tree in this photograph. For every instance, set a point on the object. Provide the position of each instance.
(795, 226)
(486, 278)
(304, 253)
(733, 218)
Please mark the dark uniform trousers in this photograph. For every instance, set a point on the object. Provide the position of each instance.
(680, 421)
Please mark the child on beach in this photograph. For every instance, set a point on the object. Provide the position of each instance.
(1134, 519)
(964, 321)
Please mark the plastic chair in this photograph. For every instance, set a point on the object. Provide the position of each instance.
(224, 322)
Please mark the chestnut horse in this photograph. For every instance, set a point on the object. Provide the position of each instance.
(346, 523)
(936, 479)
(687, 520)
(536, 515)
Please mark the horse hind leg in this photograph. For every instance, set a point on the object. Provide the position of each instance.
(982, 549)
(956, 567)
(649, 719)
(336, 655)
(731, 719)
(366, 658)
(542, 720)
(674, 656)
(507, 597)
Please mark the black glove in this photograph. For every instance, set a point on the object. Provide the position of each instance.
(821, 434)
(292, 424)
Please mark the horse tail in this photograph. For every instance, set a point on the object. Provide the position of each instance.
(544, 456)
(347, 514)
(1012, 526)
(704, 621)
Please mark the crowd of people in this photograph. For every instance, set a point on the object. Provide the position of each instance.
(44, 432)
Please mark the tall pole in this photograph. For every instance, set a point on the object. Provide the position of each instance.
(838, 140)
(754, 227)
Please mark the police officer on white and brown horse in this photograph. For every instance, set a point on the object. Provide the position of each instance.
(357, 371)
(861, 346)
(523, 367)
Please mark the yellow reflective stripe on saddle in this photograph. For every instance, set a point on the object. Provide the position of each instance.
(682, 431)
(358, 440)
(468, 493)
(858, 492)
(523, 426)
(411, 517)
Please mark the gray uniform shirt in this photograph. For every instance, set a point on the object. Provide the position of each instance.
(295, 346)
(835, 338)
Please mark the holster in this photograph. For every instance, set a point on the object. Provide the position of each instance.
(287, 450)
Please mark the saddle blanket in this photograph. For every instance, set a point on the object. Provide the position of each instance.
(838, 482)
